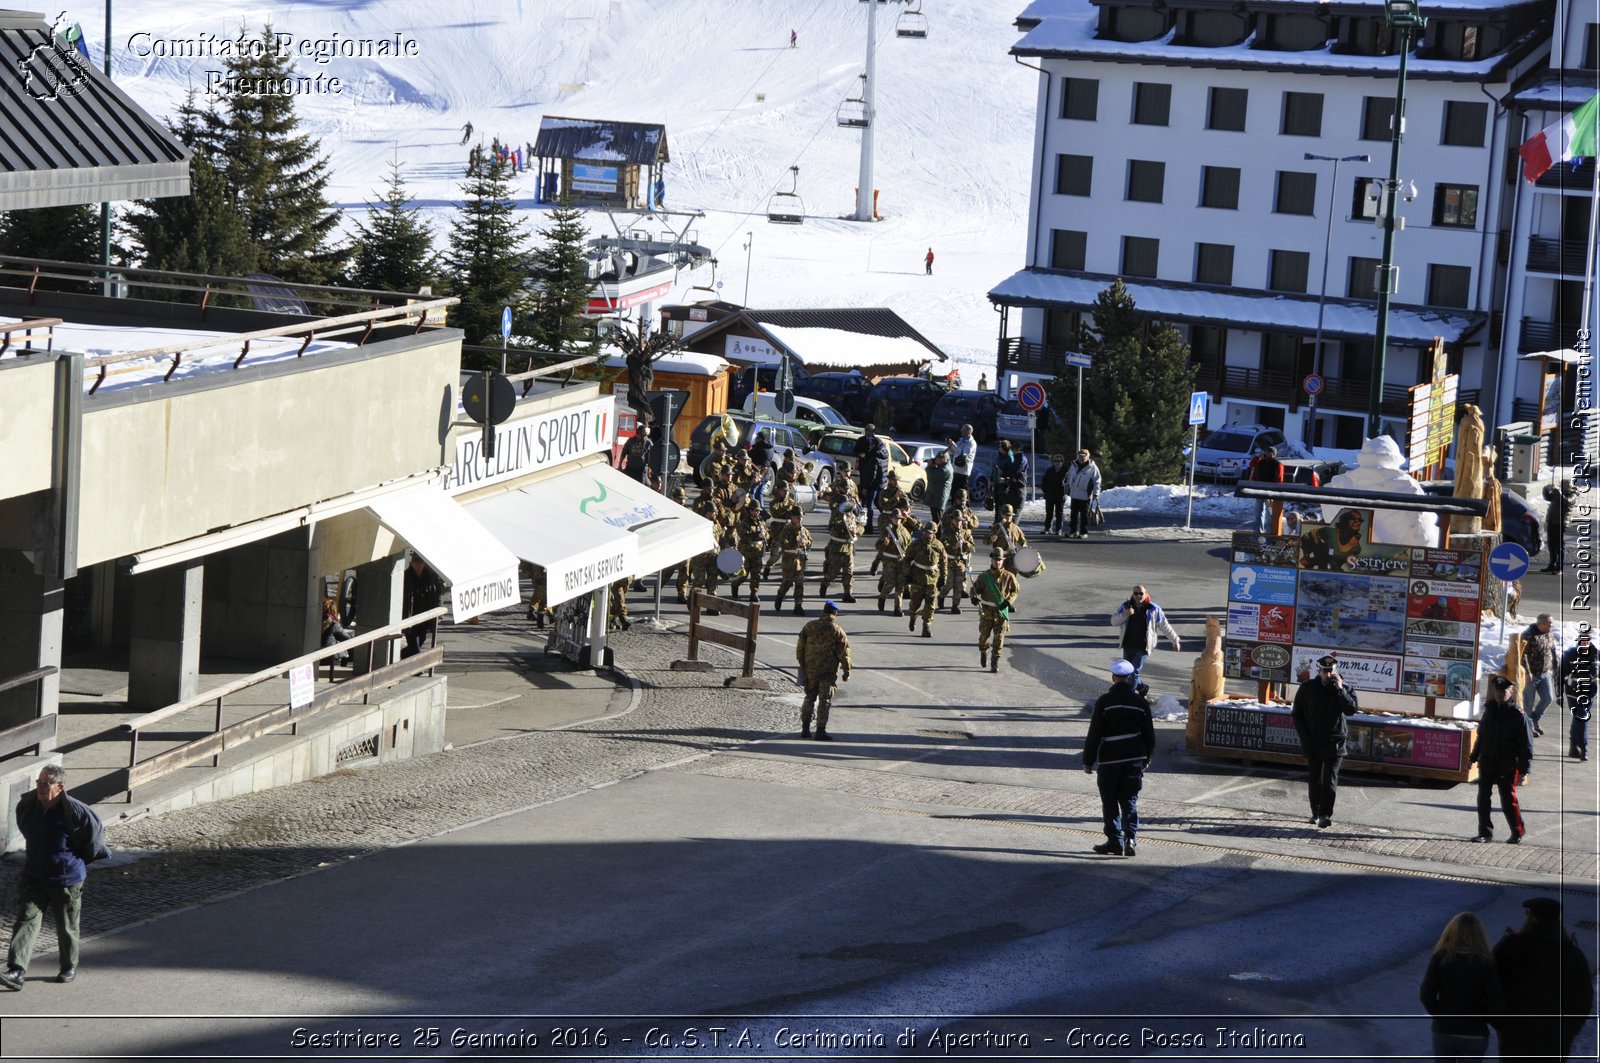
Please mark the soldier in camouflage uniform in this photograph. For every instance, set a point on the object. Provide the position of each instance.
(751, 535)
(794, 541)
(538, 609)
(956, 525)
(783, 507)
(889, 503)
(928, 569)
(679, 573)
(1005, 532)
(617, 611)
(823, 652)
(893, 546)
(994, 592)
(839, 556)
(703, 567)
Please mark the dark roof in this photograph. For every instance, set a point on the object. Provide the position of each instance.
(597, 140)
(867, 321)
(68, 135)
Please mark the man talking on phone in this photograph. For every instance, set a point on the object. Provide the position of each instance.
(1320, 708)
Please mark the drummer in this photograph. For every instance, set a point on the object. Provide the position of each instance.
(751, 535)
(1005, 532)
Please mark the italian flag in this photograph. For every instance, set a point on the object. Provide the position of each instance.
(1571, 138)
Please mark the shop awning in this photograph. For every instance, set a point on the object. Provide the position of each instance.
(592, 526)
(481, 572)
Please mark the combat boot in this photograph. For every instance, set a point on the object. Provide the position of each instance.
(926, 632)
(822, 735)
(994, 661)
(822, 591)
(777, 603)
(911, 626)
(955, 607)
(805, 727)
(897, 611)
(983, 657)
(880, 603)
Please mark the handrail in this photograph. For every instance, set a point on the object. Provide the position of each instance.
(551, 370)
(135, 277)
(27, 677)
(29, 324)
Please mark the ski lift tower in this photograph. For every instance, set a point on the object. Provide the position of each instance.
(864, 211)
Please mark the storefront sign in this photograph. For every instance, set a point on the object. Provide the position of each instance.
(748, 349)
(473, 597)
(587, 177)
(1250, 729)
(1408, 744)
(543, 441)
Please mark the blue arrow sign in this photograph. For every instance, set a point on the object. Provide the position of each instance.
(1198, 401)
(1082, 361)
(505, 323)
(1508, 561)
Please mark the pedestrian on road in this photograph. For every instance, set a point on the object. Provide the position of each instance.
(1559, 501)
(937, 492)
(419, 592)
(963, 459)
(927, 263)
(1503, 754)
(823, 651)
(1141, 619)
(1461, 990)
(636, 455)
(1265, 469)
(1083, 488)
(1548, 985)
(1539, 661)
(1580, 669)
(1010, 473)
(872, 468)
(62, 836)
(1121, 741)
(794, 541)
(1320, 708)
(995, 593)
(1054, 487)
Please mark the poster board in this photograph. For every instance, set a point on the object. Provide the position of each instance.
(1407, 747)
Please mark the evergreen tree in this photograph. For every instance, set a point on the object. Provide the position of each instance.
(561, 278)
(202, 232)
(277, 174)
(394, 246)
(1136, 398)
(70, 234)
(488, 257)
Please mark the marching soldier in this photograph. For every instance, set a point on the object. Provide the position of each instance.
(783, 507)
(839, 556)
(538, 610)
(994, 592)
(794, 541)
(823, 652)
(703, 567)
(617, 611)
(955, 532)
(679, 573)
(929, 569)
(890, 501)
(893, 546)
(1005, 532)
(751, 536)
(842, 488)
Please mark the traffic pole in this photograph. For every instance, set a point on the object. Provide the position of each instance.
(665, 447)
(1194, 447)
(1079, 441)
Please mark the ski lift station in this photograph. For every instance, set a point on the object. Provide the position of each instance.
(598, 163)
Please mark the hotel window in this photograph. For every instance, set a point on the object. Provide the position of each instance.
(1297, 193)
(1139, 254)
(1080, 98)
(1464, 123)
(1362, 206)
(1363, 279)
(1226, 109)
(1152, 103)
(1288, 271)
(1219, 187)
(1145, 180)
(1067, 248)
(1074, 173)
(1449, 285)
(1213, 264)
(1455, 205)
(1302, 114)
(1375, 112)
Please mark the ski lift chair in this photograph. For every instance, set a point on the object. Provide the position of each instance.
(912, 22)
(787, 208)
(853, 111)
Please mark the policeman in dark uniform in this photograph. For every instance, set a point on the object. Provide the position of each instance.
(1121, 740)
(1320, 708)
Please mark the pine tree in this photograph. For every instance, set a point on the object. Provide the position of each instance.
(394, 246)
(69, 234)
(1135, 400)
(202, 232)
(488, 257)
(560, 276)
(277, 174)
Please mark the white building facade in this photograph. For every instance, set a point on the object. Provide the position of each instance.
(1171, 152)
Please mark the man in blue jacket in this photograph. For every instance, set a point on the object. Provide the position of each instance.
(62, 833)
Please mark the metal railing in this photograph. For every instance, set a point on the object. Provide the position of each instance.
(1538, 336)
(32, 736)
(27, 328)
(1548, 254)
(222, 739)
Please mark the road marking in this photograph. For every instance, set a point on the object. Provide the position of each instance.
(1229, 789)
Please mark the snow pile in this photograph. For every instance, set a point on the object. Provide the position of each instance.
(1382, 468)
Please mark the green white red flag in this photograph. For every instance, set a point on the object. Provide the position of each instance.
(1571, 138)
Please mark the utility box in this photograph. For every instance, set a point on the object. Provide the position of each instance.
(1525, 458)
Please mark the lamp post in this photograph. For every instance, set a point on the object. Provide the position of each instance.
(1402, 15)
(105, 208)
(1322, 296)
(749, 242)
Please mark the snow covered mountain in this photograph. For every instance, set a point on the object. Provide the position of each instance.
(954, 135)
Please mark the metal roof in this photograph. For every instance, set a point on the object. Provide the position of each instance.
(866, 321)
(68, 135)
(598, 140)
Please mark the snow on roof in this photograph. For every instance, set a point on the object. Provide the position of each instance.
(1073, 35)
(688, 363)
(198, 360)
(1557, 93)
(1266, 311)
(601, 140)
(837, 348)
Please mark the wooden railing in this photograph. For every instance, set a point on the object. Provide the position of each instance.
(38, 734)
(222, 739)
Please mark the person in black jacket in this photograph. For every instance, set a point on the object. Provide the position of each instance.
(1320, 708)
(1461, 990)
(1548, 984)
(1054, 487)
(872, 469)
(1580, 675)
(63, 835)
(1559, 499)
(1503, 754)
(419, 593)
(1121, 740)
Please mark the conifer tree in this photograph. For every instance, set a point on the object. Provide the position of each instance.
(488, 257)
(560, 277)
(202, 232)
(394, 245)
(1135, 401)
(70, 234)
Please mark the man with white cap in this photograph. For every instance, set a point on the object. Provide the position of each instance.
(1121, 740)
(1320, 708)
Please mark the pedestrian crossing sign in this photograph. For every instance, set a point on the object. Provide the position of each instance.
(1198, 401)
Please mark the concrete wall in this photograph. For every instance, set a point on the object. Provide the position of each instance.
(26, 427)
(166, 462)
(262, 600)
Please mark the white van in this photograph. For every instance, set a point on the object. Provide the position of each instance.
(809, 413)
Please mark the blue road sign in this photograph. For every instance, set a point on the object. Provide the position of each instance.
(1030, 397)
(1198, 401)
(505, 323)
(1082, 361)
(1508, 561)
(1313, 384)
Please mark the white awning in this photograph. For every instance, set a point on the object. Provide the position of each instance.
(592, 526)
(482, 573)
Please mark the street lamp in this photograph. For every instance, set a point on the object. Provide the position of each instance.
(749, 242)
(1322, 296)
(1404, 16)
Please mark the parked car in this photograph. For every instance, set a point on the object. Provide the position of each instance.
(912, 398)
(845, 392)
(977, 408)
(1012, 422)
(812, 416)
(754, 378)
(835, 455)
(1224, 454)
(784, 439)
(1518, 522)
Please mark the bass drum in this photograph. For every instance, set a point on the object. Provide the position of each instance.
(730, 561)
(1026, 562)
